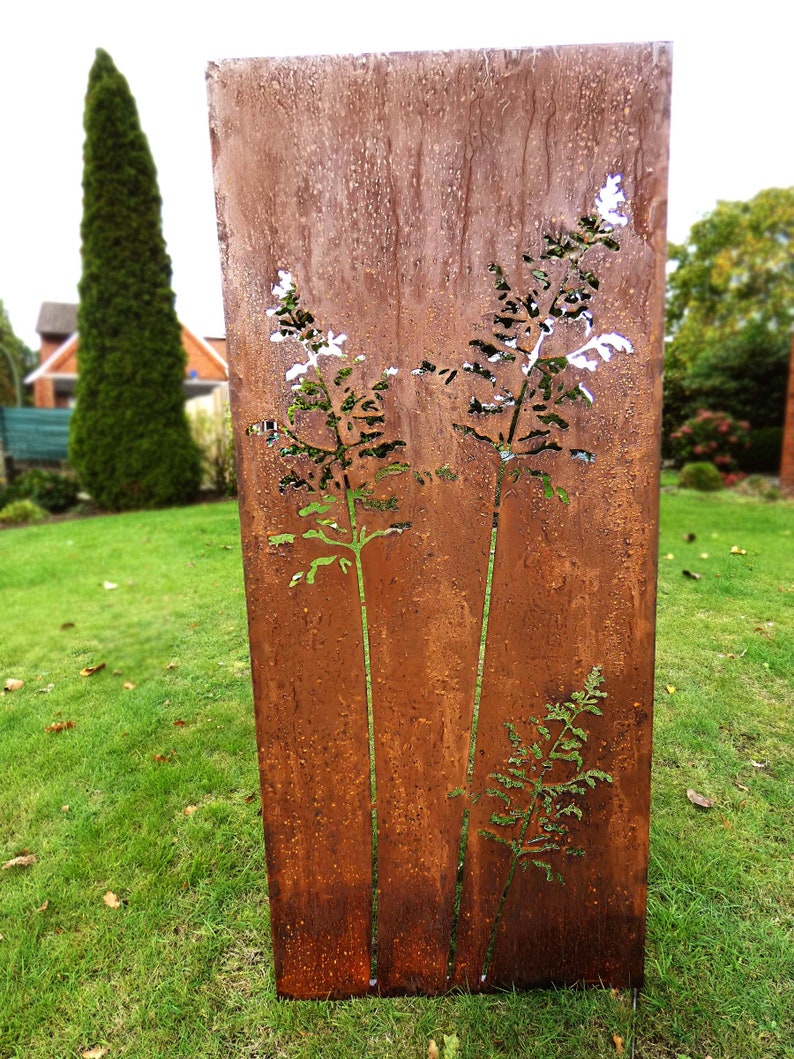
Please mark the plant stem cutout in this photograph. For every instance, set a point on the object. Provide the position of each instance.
(537, 797)
(541, 336)
(353, 423)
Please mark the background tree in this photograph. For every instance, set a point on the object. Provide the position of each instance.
(730, 310)
(16, 360)
(130, 443)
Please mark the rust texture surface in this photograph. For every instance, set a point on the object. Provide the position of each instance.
(449, 514)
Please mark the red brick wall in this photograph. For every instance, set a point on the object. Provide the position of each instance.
(199, 360)
(44, 389)
(44, 393)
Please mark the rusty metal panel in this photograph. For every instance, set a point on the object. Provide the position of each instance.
(449, 514)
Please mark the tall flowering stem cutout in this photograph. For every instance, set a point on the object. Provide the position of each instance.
(334, 430)
(525, 377)
(540, 789)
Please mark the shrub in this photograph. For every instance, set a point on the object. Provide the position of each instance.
(49, 489)
(213, 435)
(763, 452)
(759, 486)
(19, 512)
(701, 476)
(715, 437)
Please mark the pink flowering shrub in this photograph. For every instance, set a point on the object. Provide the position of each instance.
(713, 437)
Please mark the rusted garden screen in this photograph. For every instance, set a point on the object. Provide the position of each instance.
(444, 281)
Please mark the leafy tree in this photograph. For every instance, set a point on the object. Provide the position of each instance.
(730, 309)
(130, 441)
(16, 360)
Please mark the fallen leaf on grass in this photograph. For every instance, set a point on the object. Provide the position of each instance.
(169, 756)
(726, 822)
(44, 907)
(691, 574)
(759, 764)
(670, 689)
(95, 1053)
(64, 808)
(129, 686)
(23, 861)
(699, 799)
(118, 673)
(67, 625)
(669, 556)
(451, 1045)
(618, 1042)
(13, 685)
(736, 550)
(689, 537)
(432, 1050)
(109, 584)
(111, 900)
(249, 798)
(179, 724)
(59, 726)
(88, 671)
(704, 555)
(189, 809)
(172, 665)
(45, 690)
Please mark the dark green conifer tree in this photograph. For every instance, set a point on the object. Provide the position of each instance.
(130, 442)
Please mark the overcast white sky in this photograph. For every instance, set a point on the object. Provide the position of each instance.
(731, 130)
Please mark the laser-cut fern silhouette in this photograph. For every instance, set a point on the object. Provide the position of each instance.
(537, 798)
(525, 363)
(354, 424)
(525, 416)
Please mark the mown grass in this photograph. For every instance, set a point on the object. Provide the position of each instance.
(183, 966)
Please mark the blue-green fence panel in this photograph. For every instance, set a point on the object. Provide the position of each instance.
(35, 433)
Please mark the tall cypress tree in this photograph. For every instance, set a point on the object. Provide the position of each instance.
(130, 442)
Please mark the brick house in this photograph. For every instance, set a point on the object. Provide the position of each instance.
(54, 380)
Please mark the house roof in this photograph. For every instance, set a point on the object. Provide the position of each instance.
(57, 318)
(204, 363)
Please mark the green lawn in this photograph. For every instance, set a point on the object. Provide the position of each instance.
(182, 967)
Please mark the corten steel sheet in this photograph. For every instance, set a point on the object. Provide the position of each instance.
(387, 185)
